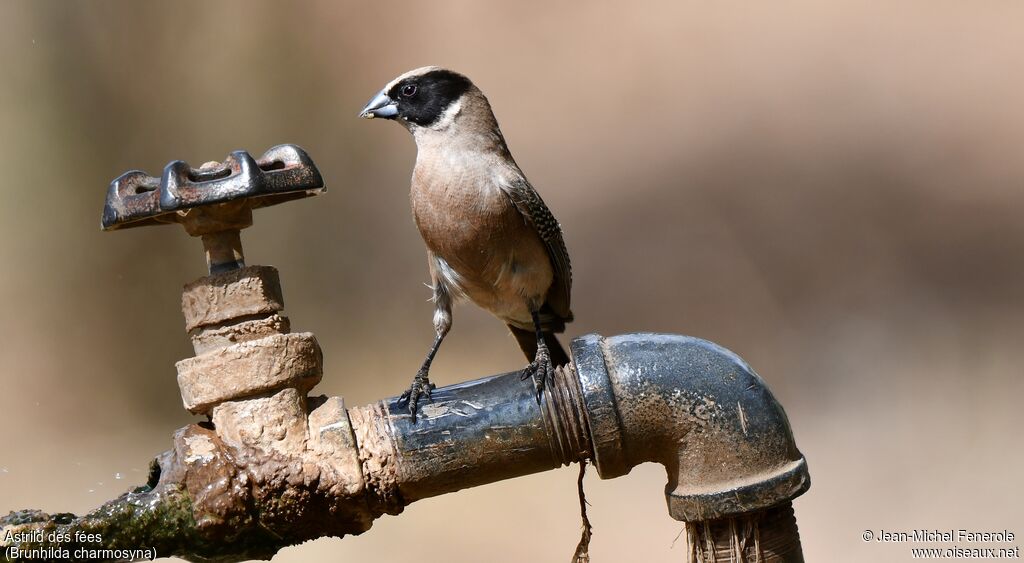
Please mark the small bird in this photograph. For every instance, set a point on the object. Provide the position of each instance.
(489, 235)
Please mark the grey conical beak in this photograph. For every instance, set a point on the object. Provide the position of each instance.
(380, 106)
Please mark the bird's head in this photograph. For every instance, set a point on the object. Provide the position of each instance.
(427, 97)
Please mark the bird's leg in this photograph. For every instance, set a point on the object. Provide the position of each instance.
(421, 385)
(541, 368)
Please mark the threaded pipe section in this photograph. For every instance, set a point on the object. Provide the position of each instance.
(565, 417)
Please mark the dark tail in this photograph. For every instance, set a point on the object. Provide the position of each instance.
(527, 340)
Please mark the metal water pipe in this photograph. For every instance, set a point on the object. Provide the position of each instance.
(274, 466)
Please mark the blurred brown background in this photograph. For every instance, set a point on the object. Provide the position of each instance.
(833, 191)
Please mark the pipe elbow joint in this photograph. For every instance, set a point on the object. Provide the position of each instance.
(696, 408)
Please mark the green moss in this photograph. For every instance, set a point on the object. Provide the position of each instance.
(161, 520)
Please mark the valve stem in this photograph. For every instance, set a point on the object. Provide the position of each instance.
(223, 251)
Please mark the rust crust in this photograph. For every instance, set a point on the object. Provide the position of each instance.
(219, 490)
(211, 337)
(250, 368)
(270, 422)
(213, 300)
(241, 492)
(331, 436)
(378, 457)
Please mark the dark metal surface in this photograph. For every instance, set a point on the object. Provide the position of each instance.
(698, 409)
(470, 434)
(283, 173)
(686, 403)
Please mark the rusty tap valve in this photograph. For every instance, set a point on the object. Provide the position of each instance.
(215, 201)
(248, 369)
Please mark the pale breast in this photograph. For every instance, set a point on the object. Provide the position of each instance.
(465, 218)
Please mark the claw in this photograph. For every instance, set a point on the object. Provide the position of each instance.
(540, 369)
(421, 387)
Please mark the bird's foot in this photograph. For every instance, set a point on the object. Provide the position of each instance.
(421, 387)
(540, 369)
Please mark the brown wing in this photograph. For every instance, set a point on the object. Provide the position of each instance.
(532, 207)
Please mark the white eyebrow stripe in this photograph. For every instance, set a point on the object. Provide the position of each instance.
(414, 72)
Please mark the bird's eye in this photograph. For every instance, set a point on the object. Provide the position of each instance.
(409, 90)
